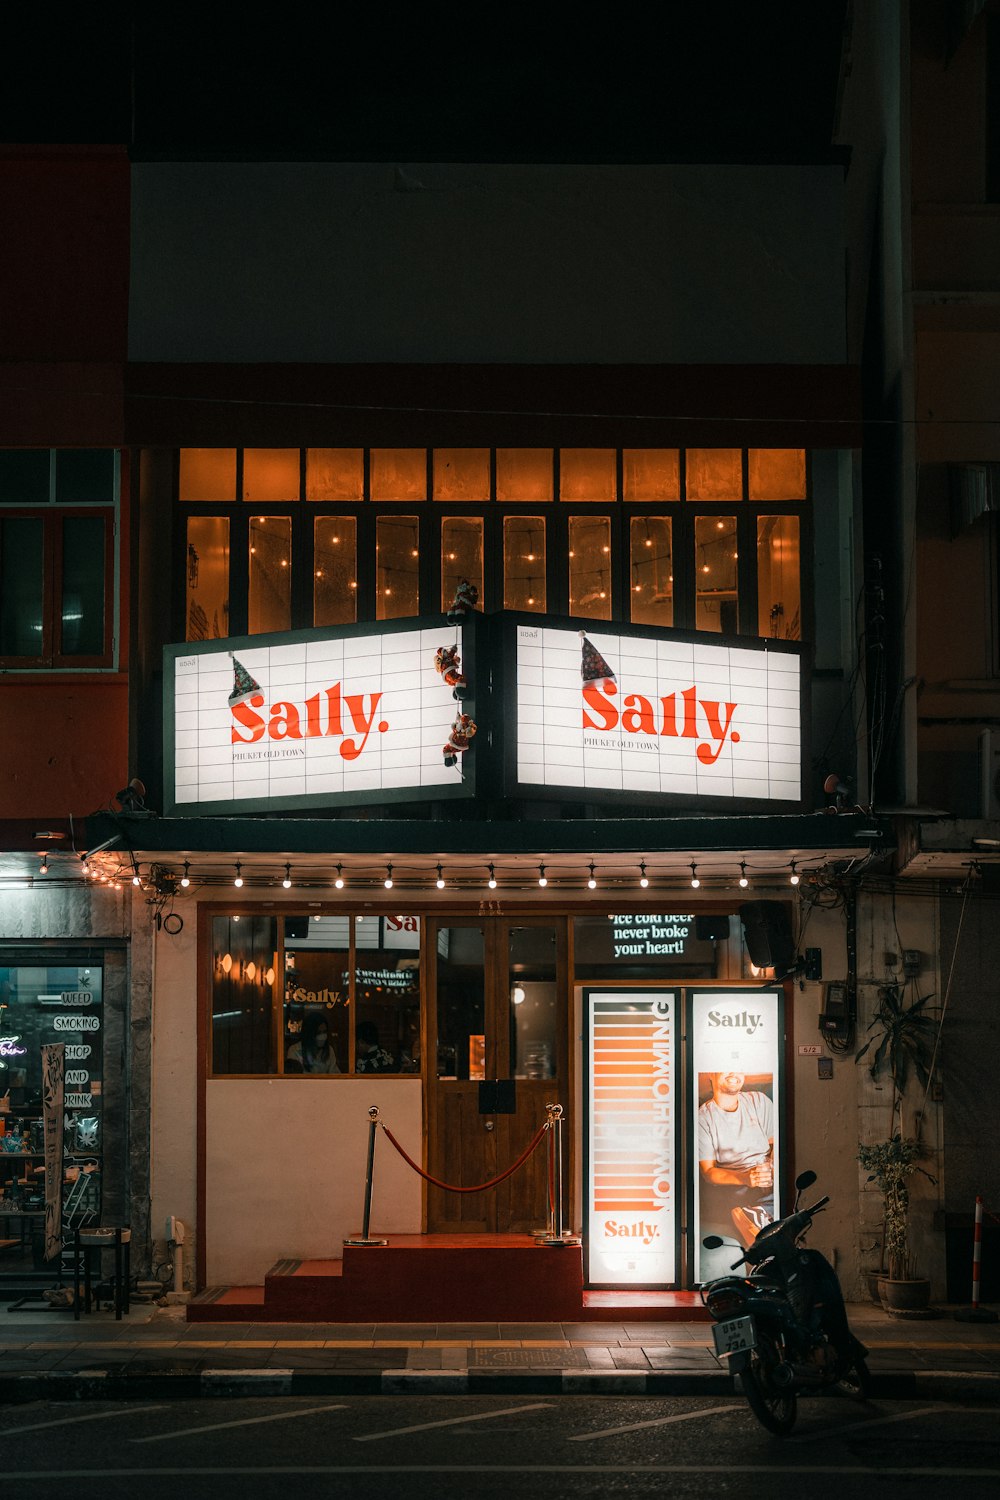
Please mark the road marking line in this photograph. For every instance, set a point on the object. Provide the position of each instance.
(687, 1416)
(279, 1416)
(902, 1416)
(91, 1416)
(508, 1411)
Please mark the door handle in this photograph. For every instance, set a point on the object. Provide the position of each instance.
(489, 1124)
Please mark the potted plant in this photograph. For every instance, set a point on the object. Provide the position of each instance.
(902, 1047)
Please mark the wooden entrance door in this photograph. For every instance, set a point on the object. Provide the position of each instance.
(497, 1009)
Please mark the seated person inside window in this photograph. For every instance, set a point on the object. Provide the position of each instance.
(313, 1052)
(369, 1057)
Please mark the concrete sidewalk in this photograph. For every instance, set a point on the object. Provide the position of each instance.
(49, 1355)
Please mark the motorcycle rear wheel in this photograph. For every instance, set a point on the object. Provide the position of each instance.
(775, 1410)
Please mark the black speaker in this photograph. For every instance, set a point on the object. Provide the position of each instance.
(711, 929)
(768, 933)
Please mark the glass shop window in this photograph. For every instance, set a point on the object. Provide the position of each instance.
(461, 1003)
(207, 474)
(41, 1005)
(25, 476)
(524, 563)
(524, 474)
(461, 555)
(270, 580)
(335, 473)
(387, 994)
(399, 474)
(714, 474)
(462, 474)
(716, 562)
(590, 566)
(646, 945)
(652, 570)
(397, 571)
(244, 979)
(588, 474)
(777, 473)
(270, 475)
(207, 599)
(651, 474)
(316, 997)
(533, 996)
(779, 613)
(335, 569)
(55, 581)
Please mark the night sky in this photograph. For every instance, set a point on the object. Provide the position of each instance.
(750, 81)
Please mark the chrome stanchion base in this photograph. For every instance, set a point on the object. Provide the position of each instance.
(555, 1240)
(360, 1241)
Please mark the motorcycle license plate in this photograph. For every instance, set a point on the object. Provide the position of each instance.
(733, 1336)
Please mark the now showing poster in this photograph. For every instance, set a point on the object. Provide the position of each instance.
(736, 1041)
(630, 1173)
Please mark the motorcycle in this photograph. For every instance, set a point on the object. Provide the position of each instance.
(783, 1328)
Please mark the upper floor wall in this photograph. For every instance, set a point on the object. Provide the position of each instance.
(356, 263)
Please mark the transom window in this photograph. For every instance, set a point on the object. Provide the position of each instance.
(699, 538)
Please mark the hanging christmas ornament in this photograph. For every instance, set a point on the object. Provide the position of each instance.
(244, 685)
(593, 667)
(449, 664)
(466, 598)
(460, 734)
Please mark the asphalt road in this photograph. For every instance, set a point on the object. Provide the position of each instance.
(438, 1446)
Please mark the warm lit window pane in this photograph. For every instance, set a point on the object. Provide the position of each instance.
(652, 575)
(532, 984)
(207, 607)
(387, 996)
(21, 585)
(335, 473)
(651, 474)
(587, 474)
(397, 573)
(524, 474)
(778, 598)
(715, 574)
(335, 580)
(244, 988)
(208, 474)
(461, 555)
(270, 475)
(777, 473)
(399, 474)
(270, 574)
(590, 566)
(524, 562)
(461, 473)
(82, 604)
(714, 474)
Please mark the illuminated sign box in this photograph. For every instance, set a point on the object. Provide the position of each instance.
(616, 711)
(314, 718)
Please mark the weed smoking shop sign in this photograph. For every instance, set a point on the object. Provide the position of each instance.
(631, 1131)
(308, 719)
(656, 714)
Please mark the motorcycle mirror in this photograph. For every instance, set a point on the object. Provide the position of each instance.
(804, 1180)
(712, 1242)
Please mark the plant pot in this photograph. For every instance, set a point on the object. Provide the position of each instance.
(872, 1280)
(912, 1295)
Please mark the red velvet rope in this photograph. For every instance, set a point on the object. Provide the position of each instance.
(480, 1187)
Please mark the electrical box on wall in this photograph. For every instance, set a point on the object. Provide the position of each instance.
(835, 1018)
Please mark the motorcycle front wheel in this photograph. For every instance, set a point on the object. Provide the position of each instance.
(776, 1410)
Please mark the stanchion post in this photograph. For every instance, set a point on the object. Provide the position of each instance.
(557, 1235)
(365, 1238)
(975, 1313)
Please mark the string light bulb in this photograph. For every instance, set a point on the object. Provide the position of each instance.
(744, 882)
(591, 883)
(339, 882)
(287, 882)
(643, 877)
(793, 878)
(440, 880)
(492, 882)
(542, 878)
(388, 877)
(186, 878)
(695, 882)
(238, 882)
(43, 868)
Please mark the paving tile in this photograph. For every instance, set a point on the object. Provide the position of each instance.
(423, 1359)
(466, 1332)
(406, 1332)
(519, 1331)
(599, 1359)
(667, 1359)
(629, 1359)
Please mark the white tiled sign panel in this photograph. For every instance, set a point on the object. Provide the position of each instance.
(676, 717)
(361, 713)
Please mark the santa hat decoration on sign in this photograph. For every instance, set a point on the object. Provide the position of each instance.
(244, 685)
(593, 667)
